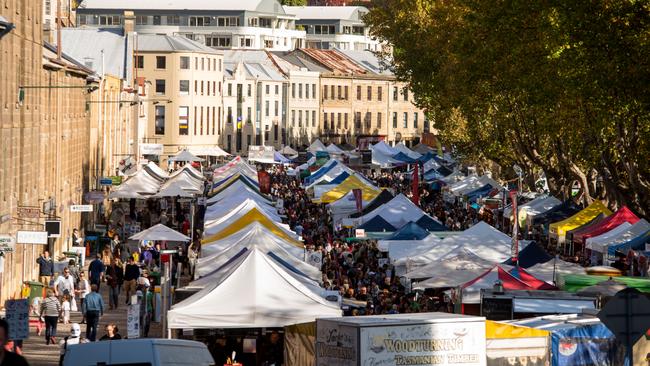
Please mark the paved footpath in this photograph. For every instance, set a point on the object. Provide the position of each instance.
(37, 353)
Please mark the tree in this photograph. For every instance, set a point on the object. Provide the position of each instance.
(555, 87)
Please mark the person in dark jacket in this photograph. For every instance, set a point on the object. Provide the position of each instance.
(131, 274)
(114, 280)
(45, 268)
(96, 269)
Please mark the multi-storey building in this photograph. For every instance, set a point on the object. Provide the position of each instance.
(57, 9)
(255, 102)
(330, 27)
(43, 140)
(185, 82)
(356, 98)
(303, 121)
(223, 24)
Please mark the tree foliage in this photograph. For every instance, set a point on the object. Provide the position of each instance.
(294, 2)
(557, 87)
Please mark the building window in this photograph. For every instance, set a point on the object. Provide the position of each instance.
(300, 91)
(229, 143)
(141, 20)
(338, 121)
(109, 20)
(173, 20)
(324, 29)
(160, 120)
(306, 118)
(248, 140)
(405, 92)
(249, 110)
(394, 119)
(299, 118)
(183, 120)
(217, 41)
(139, 62)
(199, 21)
(196, 119)
(185, 62)
(157, 20)
(346, 93)
(369, 92)
(313, 118)
(357, 120)
(293, 90)
(358, 92)
(367, 119)
(325, 92)
(277, 90)
(306, 91)
(268, 89)
(201, 130)
(276, 110)
(229, 117)
(196, 87)
(228, 21)
(415, 120)
(345, 121)
(406, 120)
(230, 89)
(379, 93)
(325, 124)
(395, 93)
(378, 120)
(332, 120)
(245, 42)
(313, 88)
(160, 86)
(266, 108)
(333, 92)
(82, 20)
(293, 118)
(161, 62)
(249, 90)
(339, 89)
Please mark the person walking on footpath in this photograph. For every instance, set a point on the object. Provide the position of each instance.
(114, 280)
(94, 310)
(45, 268)
(8, 358)
(50, 312)
(73, 338)
(131, 274)
(96, 271)
(83, 289)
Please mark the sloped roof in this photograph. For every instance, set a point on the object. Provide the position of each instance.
(248, 5)
(369, 60)
(335, 61)
(165, 43)
(327, 12)
(87, 44)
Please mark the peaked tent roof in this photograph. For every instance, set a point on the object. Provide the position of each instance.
(251, 216)
(428, 223)
(404, 158)
(383, 160)
(559, 212)
(238, 188)
(329, 165)
(185, 155)
(586, 227)
(422, 148)
(333, 149)
(536, 207)
(638, 243)
(601, 242)
(377, 224)
(350, 183)
(397, 211)
(409, 231)
(156, 171)
(407, 248)
(408, 152)
(384, 196)
(173, 190)
(223, 216)
(554, 267)
(317, 146)
(208, 151)
(559, 229)
(622, 215)
(273, 298)
(234, 166)
(159, 232)
(452, 271)
(221, 186)
(384, 148)
(472, 289)
(531, 255)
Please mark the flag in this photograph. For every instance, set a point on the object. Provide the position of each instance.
(358, 197)
(265, 181)
(415, 188)
(515, 231)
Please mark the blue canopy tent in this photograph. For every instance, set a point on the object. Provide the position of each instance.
(377, 224)
(383, 197)
(279, 158)
(477, 193)
(340, 178)
(560, 212)
(429, 224)
(426, 157)
(637, 243)
(444, 171)
(432, 175)
(404, 158)
(320, 172)
(531, 255)
(409, 231)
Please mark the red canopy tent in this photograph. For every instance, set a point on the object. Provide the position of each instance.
(610, 222)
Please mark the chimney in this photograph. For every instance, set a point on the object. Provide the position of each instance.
(129, 21)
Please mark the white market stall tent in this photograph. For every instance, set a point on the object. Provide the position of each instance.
(397, 212)
(237, 188)
(601, 242)
(317, 146)
(228, 206)
(257, 294)
(455, 269)
(400, 147)
(159, 232)
(185, 156)
(217, 224)
(552, 270)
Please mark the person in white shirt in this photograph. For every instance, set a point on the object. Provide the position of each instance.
(65, 309)
(64, 284)
(83, 289)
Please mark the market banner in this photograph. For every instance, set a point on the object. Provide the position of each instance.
(265, 181)
(358, 198)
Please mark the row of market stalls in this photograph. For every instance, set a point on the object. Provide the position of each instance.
(252, 271)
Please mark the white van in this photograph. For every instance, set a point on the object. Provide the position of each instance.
(139, 352)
